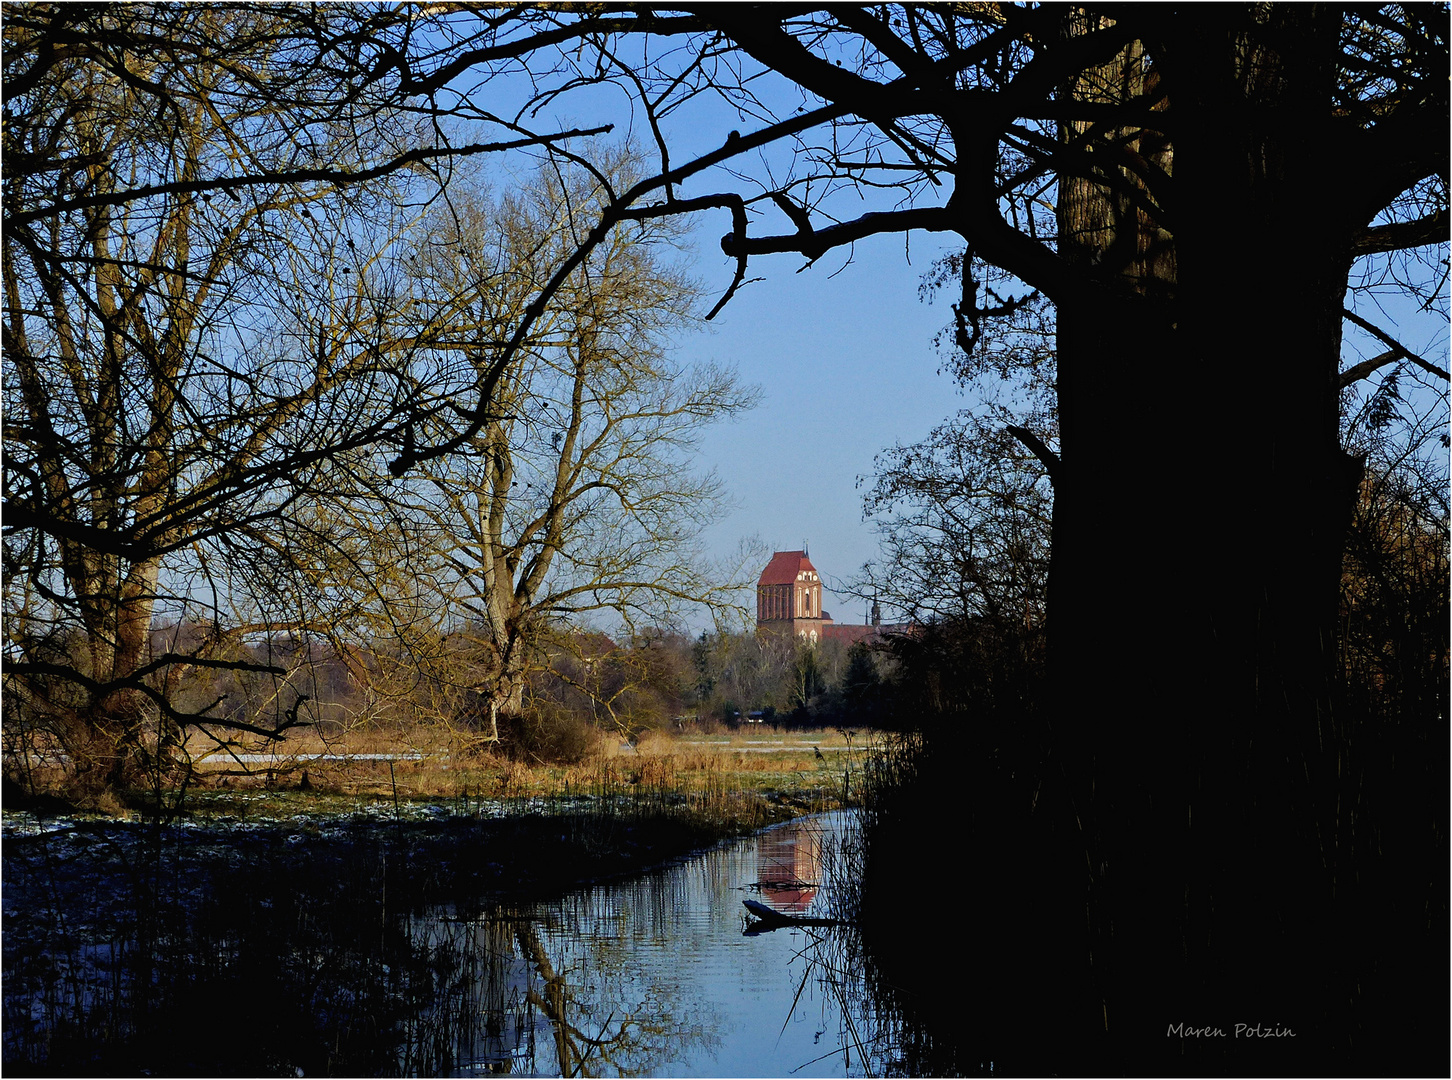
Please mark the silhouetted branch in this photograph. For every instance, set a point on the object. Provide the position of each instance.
(1396, 346)
(284, 177)
(1400, 235)
(1366, 367)
(1047, 457)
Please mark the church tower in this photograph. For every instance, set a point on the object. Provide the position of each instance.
(789, 597)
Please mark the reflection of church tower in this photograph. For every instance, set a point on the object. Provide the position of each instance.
(789, 596)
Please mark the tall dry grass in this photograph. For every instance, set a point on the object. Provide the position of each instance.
(414, 763)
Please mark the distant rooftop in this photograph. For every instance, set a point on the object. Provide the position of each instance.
(784, 568)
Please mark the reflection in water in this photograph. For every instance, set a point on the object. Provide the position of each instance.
(650, 976)
(504, 1004)
(663, 959)
(354, 965)
(789, 866)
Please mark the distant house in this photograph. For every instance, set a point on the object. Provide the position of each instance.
(789, 601)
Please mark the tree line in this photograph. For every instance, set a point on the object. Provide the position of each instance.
(578, 688)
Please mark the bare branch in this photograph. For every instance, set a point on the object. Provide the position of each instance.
(1396, 347)
(1047, 457)
(1400, 235)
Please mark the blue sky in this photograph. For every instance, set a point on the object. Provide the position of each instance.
(848, 367)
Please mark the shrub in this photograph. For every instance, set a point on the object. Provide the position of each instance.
(548, 733)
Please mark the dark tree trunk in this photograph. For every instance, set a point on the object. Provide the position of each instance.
(1200, 512)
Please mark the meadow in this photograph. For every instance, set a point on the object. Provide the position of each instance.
(799, 770)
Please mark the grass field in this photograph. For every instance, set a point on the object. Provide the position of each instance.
(802, 768)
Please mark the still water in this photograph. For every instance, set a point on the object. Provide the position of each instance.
(261, 952)
(666, 975)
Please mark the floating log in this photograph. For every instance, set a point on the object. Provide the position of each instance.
(773, 918)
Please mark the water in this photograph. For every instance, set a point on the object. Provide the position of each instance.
(664, 976)
(354, 957)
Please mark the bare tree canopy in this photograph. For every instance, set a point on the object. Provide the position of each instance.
(970, 116)
(215, 341)
(578, 499)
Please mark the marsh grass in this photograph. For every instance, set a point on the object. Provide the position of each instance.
(352, 769)
(333, 768)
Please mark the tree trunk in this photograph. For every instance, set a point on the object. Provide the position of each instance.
(1200, 511)
(105, 741)
(507, 694)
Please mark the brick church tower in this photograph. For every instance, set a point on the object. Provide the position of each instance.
(789, 597)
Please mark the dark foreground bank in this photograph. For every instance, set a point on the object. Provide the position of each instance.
(279, 948)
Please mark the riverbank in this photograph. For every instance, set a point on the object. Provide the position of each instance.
(285, 893)
(127, 944)
(496, 853)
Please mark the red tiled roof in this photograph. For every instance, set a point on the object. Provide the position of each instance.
(848, 633)
(784, 568)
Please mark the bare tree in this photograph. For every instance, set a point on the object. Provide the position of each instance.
(198, 210)
(578, 498)
(964, 516)
(963, 519)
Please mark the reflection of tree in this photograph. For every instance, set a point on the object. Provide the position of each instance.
(554, 1003)
(349, 955)
(639, 1044)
